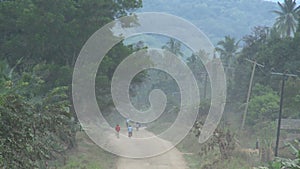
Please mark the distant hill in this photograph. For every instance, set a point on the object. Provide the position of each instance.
(218, 18)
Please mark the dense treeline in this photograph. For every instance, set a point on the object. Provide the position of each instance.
(39, 43)
(277, 54)
(277, 49)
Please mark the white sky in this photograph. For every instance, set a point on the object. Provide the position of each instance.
(298, 1)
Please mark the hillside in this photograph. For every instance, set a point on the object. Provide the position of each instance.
(218, 18)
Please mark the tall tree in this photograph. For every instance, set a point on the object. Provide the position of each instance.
(173, 46)
(53, 31)
(228, 49)
(288, 15)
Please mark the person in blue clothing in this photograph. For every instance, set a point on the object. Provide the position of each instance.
(130, 129)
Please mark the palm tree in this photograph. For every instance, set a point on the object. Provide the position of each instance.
(173, 46)
(228, 48)
(287, 20)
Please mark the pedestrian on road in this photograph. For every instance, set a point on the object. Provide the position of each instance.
(118, 128)
(137, 125)
(127, 122)
(129, 131)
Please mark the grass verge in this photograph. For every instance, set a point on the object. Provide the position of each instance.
(88, 155)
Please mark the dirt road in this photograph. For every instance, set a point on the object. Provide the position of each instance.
(172, 159)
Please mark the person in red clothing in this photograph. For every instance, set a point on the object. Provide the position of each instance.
(118, 128)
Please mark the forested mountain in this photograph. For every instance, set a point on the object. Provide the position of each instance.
(218, 18)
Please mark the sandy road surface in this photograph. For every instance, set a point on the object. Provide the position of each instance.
(172, 159)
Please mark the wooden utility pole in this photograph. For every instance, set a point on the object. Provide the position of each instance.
(284, 77)
(249, 89)
(205, 85)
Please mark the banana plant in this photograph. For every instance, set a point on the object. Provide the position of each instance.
(285, 163)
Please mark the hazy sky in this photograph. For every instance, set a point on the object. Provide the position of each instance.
(298, 1)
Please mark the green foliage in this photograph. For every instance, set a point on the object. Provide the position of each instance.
(292, 98)
(263, 105)
(39, 43)
(173, 46)
(105, 73)
(40, 40)
(287, 20)
(275, 54)
(285, 163)
(53, 31)
(228, 49)
(243, 68)
(33, 132)
(17, 133)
